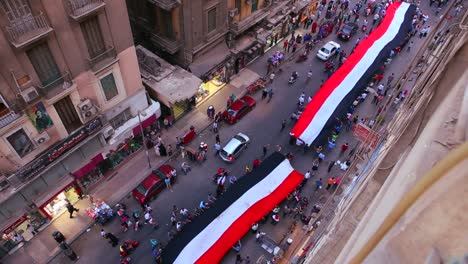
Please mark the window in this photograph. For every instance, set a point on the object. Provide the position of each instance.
(238, 5)
(43, 62)
(109, 87)
(121, 118)
(166, 27)
(4, 109)
(93, 37)
(15, 9)
(254, 5)
(21, 142)
(211, 20)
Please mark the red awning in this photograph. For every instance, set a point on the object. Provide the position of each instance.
(146, 123)
(88, 167)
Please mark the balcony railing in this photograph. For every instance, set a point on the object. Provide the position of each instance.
(82, 8)
(56, 87)
(171, 46)
(166, 4)
(8, 119)
(237, 27)
(27, 29)
(102, 59)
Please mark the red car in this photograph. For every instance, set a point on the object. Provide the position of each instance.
(152, 184)
(238, 109)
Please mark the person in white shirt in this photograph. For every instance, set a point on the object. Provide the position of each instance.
(309, 99)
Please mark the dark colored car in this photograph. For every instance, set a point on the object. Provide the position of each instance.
(238, 109)
(347, 31)
(153, 184)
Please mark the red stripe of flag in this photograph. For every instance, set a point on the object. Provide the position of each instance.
(330, 85)
(252, 215)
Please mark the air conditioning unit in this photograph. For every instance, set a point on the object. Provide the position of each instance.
(91, 112)
(4, 183)
(30, 94)
(233, 12)
(42, 138)
(85, 105)
(108, 131)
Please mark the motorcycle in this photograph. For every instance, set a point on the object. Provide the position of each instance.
(293, 78)
(128, 247)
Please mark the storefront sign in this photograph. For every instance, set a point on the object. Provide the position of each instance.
(41, 162)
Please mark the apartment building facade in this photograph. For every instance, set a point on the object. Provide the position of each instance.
(69, 82)
(213, 39)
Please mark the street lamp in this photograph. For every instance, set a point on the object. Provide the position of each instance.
(144, 141)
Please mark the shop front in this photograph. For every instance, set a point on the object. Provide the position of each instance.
(213, 81)
(56, 205)
(91, 173)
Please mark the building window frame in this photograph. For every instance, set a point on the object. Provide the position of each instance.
(210, 28)
(93, 37)
(103, 91)
(43, 61)
(121, 118)
(28, 138)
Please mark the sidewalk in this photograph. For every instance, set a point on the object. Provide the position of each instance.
(43, 248)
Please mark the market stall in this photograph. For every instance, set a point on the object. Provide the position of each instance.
(100, 212)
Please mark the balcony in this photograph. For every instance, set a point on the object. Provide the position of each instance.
(170, 46)
(104, 59)
(166, 4)
(237, 27)
(28, 29)
(56, 87)
(79, 9)
(9, 118)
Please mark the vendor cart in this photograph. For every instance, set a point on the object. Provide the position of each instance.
(100, 212)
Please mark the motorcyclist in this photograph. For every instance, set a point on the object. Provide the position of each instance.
(295, 75)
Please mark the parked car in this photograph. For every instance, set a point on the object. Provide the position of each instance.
(347, 31)
(234, 147)
(328, 50)
(238, 109)
(153, 184)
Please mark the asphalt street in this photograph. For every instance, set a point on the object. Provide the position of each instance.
(262, 125)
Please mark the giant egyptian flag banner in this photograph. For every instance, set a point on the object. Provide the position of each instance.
(338, 92)
(208, 237)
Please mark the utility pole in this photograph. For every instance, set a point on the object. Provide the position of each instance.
(144, 140)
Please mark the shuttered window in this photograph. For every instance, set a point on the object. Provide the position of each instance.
(43, 62)
(93, 37)
(109, 87)
(212, 20)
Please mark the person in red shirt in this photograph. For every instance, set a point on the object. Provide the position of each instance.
(337, 182)
(256, 163)
(331, 181)
(285, 45)
(344, 147)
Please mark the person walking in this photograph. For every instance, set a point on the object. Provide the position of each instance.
(283, 125)
(344, 147)
(265, 149)
(217, 139)
(337, 182)
(285, 45)
(32, 229)
(410, 45)
(215, 127)
(217, 147)
(167, 181)
(318, 184)
(71, 209)
(331, 181)
(272, 77)
(113, 240)
(390, 79)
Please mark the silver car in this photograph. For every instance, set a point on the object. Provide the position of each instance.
(234, 147)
